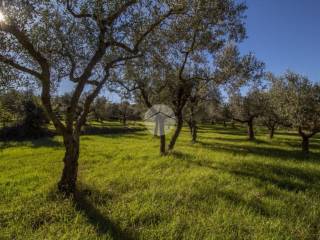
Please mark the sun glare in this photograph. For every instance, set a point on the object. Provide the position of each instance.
(2, 18)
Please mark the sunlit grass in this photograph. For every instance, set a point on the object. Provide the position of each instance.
(222, 187)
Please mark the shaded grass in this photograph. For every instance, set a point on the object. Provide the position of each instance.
(223, 187)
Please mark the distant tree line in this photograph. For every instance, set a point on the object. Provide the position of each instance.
(289, 101)
(22, 116)
(101, 109)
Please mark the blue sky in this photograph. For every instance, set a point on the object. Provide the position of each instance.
(285, 34)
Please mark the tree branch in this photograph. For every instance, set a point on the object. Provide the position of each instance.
(24, 41)
(44, 77)
(239, 120)
(187, 53)
(82, 119)
(109, 20)
(83, 79)
(77, 15)
(121, 59)
(135, 48)
(19, 67)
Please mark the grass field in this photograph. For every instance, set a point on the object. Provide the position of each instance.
(223, 187)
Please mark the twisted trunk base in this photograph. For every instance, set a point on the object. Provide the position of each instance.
(271, 132)
(193, 130)
(176, 134)
(250, 131)
(305, 145)
(194, 134)
(68, 181)
(160, 125)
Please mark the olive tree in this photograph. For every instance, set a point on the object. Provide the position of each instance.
(270, 118)
(195, 50)
(219, 112)
(202, 94)
(12, 102)
(246, 108)
(185, 57)
(301, 101)
(274, 111)
(203, 31)
(78, 41)
(99, 109)
(5, 115)
(148, 85)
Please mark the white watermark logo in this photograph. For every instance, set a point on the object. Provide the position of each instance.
(159, 120)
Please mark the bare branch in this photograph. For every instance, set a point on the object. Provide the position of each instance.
(123, 46)
(121, 59)
(135, 48)
(187, 53)
(24, 41)
(122, 84)
(82, 119)
(109, 20)
(77, 15)
(19, 67)
(239, 120)
(93, 82)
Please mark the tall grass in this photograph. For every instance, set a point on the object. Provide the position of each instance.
(222, 187)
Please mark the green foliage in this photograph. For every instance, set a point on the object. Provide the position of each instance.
(223, 187)
(5, 115)
(247, 107)
(35, 119)
(301, 99)
(100, 109)
(22, 116)
(12, 103)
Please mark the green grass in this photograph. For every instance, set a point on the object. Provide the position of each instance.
(223, 187)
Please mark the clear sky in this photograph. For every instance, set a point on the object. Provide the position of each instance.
(285, 34)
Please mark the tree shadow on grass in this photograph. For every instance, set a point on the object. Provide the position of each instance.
(262, 151)
(84, 202)
(296, 142)
(102, 223)
(284, 177)
(239, 140)
(286, 133)
(181, 155)
(46, 142)
(35, 143)
(255, 205)
(224, 131)
(93, 130)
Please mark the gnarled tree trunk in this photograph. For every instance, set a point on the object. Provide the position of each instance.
(250, 130)
(305, 139)
(124, 120)
(193, 130)
(305, 145)
(190, 126)
(176, 133)
(194, 133)
(224, 123)
(160, 121)
(67, 183)
(271, 131)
